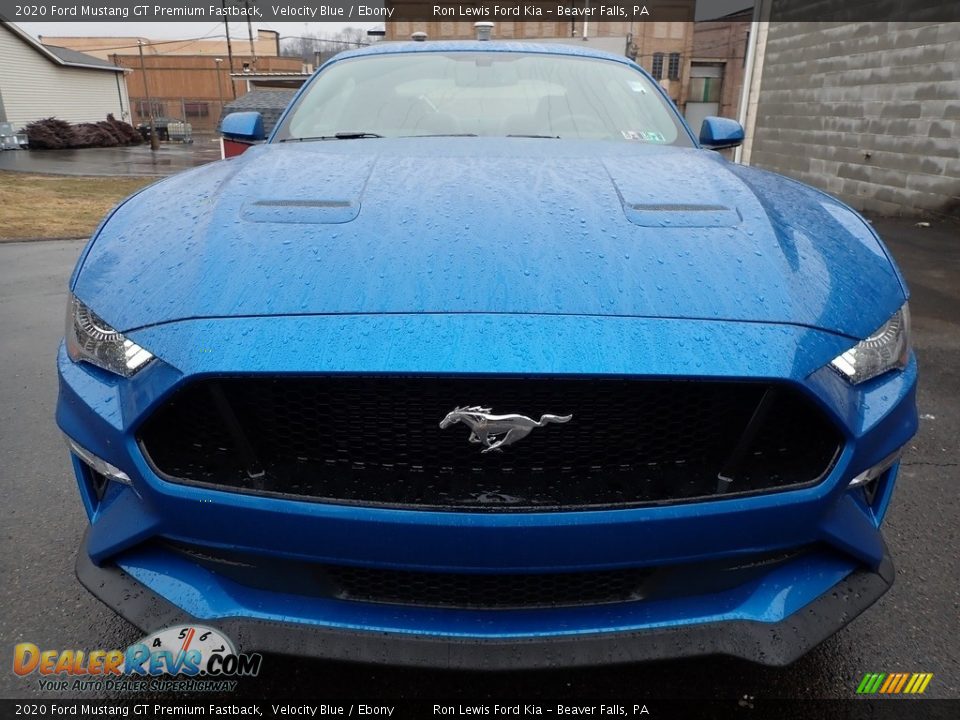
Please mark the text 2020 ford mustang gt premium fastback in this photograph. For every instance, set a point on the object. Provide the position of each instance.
(484, 360)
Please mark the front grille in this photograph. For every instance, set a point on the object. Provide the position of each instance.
(376, 440)
(481, 590)
(462, 590)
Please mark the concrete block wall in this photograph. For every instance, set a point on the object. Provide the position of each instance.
(868, 111)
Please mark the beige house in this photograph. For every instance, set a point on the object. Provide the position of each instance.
(56, 82)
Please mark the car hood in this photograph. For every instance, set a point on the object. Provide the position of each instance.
(484, 225)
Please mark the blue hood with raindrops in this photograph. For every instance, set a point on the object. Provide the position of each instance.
(488, 225)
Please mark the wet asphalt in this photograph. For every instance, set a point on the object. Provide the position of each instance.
(913, 628)
(133, 161)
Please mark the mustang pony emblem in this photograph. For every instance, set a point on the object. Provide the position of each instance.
(497, 431)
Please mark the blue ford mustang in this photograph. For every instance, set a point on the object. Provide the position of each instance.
(483, 359)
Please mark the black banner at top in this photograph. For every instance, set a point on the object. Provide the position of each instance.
(386, 11)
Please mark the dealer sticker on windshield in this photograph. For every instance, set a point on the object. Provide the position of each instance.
(651, 136)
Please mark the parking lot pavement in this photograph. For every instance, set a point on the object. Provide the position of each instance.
(914, 628)
(134, 161)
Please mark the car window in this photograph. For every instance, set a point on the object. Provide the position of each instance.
(486, 94)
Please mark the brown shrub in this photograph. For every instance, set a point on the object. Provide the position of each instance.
(125, 131)
(49, 134)
(54, 134)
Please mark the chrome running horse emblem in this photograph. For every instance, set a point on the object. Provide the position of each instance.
(497, 431)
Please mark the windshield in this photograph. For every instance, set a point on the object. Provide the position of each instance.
(484, 94)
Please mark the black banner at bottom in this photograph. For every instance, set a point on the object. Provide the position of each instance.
(747, 707)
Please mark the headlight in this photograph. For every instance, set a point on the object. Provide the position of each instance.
(886, 349)
(91, 340)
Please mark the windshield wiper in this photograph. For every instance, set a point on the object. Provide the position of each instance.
(355, 135)
(335, 136)
(547, 137)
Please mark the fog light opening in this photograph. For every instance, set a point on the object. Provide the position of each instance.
(99, 466)
(98, 483)
(871, 474)
(870, 491)
(871, 481)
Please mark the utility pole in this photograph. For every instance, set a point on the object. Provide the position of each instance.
(226, 27)
(253, 52)
(154, 140)
(218, 61)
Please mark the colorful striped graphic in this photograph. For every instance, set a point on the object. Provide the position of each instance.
(894, 683)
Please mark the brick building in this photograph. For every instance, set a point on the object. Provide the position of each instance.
(868, 111)
(186, 79)
(192, 87)
(717, 66)
(662, 47)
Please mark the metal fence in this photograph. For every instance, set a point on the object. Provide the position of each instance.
(202, 113)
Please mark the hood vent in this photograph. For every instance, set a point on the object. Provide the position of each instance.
(301, 211)
(681, 215)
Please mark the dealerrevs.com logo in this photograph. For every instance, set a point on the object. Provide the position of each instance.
(188, 658)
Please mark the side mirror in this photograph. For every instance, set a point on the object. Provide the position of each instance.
(717, 133)
(246, 126)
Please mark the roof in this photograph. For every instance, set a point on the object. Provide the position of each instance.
(389, 47)
(269, 103)
(62, 56)
(74, 57)
(260, 99)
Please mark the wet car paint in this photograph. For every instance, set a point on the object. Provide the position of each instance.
(387, 226)
(757, 286)
(912, 626)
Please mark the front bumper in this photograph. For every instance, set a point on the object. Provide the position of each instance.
(777, 643)
(771, 619)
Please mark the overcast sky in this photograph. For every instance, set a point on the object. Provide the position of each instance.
(177, 30)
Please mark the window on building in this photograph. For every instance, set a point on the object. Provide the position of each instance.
(196, 109)
(143, 108)
(673, 70)
(705, 89)
(657, 68)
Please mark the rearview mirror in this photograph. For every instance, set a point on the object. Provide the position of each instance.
(717, 133)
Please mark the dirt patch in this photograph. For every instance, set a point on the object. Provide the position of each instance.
(58, 206)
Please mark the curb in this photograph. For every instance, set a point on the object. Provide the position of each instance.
(5, 241)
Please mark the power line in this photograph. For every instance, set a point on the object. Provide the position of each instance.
(151, 43)
(324, 40)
